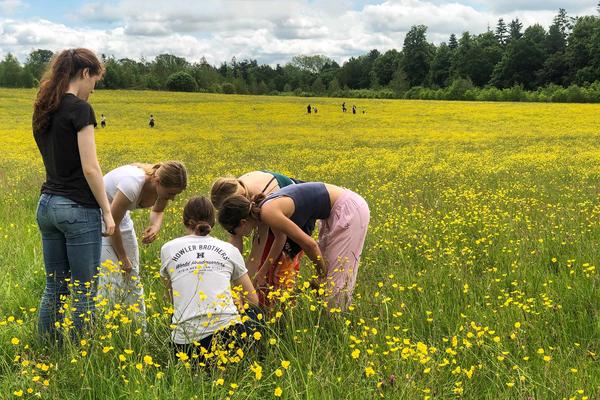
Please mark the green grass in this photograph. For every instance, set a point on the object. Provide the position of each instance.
(483, 215)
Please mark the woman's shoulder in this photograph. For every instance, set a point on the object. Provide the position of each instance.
(71, 102)
(128, 170)
(254, 176)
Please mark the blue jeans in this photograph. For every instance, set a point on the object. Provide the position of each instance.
(71, 241)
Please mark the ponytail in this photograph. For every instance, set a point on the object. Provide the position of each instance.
(200, 228)
(255, 205)
(199, 215)
(172, 174)
(55, 82)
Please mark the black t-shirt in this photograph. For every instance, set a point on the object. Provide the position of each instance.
(60, 151)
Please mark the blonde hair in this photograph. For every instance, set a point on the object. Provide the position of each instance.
(172, 174)
(222, 189)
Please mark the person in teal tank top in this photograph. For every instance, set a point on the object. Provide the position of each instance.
(280, 271)
(281, 179)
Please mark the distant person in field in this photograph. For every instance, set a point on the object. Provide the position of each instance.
(291, 213)
(102, 121)
(201, 274)
(308, 109)
(353, 109)
(315, 109)
(128, 188)
(151, 122)
(68, 212)
(270, 266)
(344, 107)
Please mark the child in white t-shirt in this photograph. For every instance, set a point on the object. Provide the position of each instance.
(128, 188)
(199, 271)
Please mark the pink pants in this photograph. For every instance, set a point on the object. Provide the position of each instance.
(341, 240)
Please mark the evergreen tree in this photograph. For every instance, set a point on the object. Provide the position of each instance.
(514, 29)
(501, 32)
(563, 22)
(452, 42)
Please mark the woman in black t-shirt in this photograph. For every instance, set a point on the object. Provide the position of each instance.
(68, 212)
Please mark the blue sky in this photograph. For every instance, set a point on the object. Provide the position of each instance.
(271, 31)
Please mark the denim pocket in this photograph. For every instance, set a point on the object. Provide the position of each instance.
(65, 213)
(41, 210)
(94, 216)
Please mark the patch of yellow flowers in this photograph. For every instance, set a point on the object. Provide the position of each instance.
(478, 277)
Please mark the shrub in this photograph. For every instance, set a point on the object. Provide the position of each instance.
(414, 93)
(228, 88)
(181, 82)
(575, 94)
(458, 89)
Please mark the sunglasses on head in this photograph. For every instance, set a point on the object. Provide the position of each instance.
(231, 231)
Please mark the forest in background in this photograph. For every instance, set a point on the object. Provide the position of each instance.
(506, 63)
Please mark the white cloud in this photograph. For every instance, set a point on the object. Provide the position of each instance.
(146, 28)
(10, 6)
(301, 28)
(400, 15)
(507, 6)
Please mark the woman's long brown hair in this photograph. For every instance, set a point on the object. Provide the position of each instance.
(55, 82)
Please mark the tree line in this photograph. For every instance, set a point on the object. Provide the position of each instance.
(507, 62)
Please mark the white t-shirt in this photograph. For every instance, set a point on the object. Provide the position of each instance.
(200, 269)
(129, 180)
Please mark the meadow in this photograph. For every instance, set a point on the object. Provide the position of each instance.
(478, 279)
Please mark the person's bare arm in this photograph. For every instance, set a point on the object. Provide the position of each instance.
(259, 241)
(93, 174)
(278, 222)
(270, 262)
(119, 207)
(156, 219)
(169, 287)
